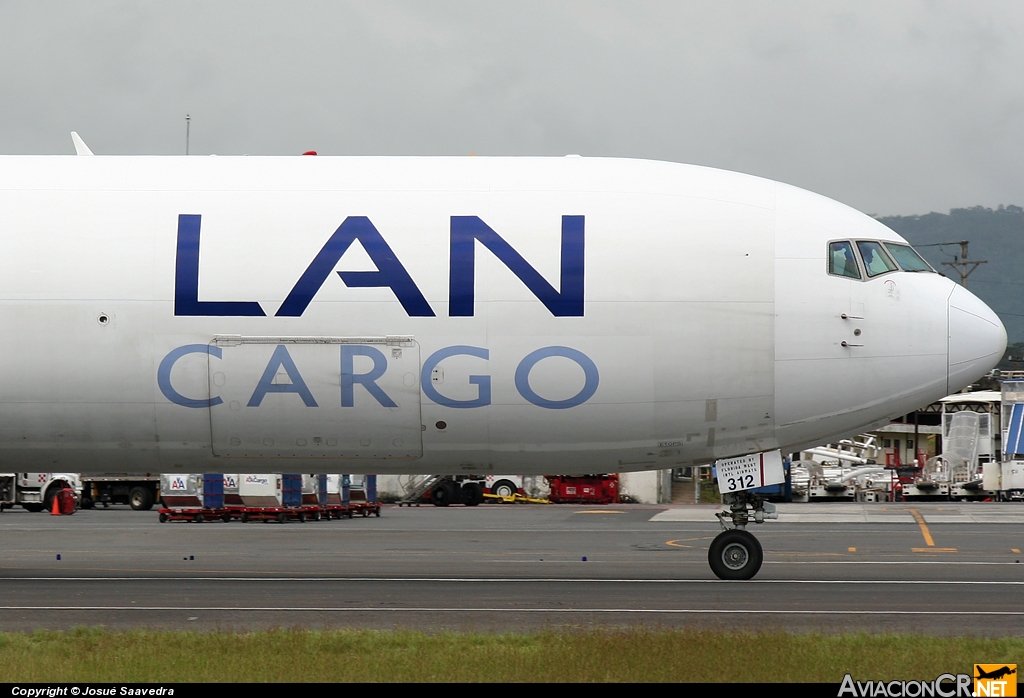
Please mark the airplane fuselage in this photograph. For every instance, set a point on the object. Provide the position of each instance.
(530, 315)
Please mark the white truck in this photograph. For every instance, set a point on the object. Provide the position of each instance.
(35, 491)
(140, 491)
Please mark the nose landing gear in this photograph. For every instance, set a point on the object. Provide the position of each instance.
(735, 553)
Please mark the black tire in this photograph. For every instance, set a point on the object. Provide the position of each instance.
(282, 517)
(443, 494)
(163, 518)
(377, 512)
(49, 496)
(302, 517)
(244, 518)
(504, 488)
(472, 494)
(226, 518)
(199, 518)
(140, 498)
(735, 554)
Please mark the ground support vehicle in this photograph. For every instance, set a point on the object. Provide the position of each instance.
(245, 514)
(443, 490)
(337, 511)
(512, 499)
(583, 489)
(364, 508)
(35, 491)
(138, 491)
(504, 485)
(194, 514)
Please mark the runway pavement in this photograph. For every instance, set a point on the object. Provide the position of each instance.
(935, 568)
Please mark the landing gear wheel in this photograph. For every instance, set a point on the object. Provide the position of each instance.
(735, 554)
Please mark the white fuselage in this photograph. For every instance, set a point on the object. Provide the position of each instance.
(529, 315)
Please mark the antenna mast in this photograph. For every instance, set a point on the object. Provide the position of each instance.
(188, 124)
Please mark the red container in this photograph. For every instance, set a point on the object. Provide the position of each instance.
(583, 489)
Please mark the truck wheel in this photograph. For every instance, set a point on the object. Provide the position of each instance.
(504, 488)
(444, 493)
(472, 494)
(140, 499)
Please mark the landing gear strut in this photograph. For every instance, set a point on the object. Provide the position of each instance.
(735, 553)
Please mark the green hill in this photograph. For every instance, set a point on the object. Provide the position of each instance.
(996, 235)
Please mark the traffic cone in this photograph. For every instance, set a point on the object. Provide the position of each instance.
(55, 509)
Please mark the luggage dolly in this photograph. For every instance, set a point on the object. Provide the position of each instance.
(194, 515)
(266, 514)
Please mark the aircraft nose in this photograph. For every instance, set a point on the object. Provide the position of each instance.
(977, 339)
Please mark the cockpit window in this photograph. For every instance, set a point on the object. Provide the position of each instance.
(907, 257)
(842, 261)
(876, 261)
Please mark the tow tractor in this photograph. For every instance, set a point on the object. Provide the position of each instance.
(735, 553)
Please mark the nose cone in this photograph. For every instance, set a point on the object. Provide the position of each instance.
(977, 339)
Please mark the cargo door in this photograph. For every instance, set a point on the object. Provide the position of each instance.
(315, 397)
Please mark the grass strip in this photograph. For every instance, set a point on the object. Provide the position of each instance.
(635, 654)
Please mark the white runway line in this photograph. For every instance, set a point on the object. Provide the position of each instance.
(529, 580)
(851, 512)
(428, 609)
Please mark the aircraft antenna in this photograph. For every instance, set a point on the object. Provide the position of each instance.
(188, 124)
(962, 264)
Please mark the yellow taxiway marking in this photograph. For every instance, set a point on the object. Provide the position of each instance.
(924, 529)
(852, 550)
(934, 550)
(599, 511)
(678, 542)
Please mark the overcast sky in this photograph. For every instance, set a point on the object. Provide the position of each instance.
(891, 107)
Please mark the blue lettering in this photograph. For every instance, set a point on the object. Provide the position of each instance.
(589, 371)
(163, 375)
(390, 272)
(465, 230)
(186, 278)
(281, 358)
(483, 383)
(349, 377)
